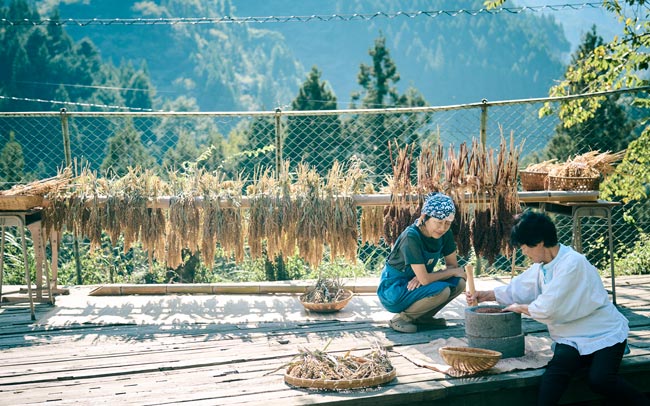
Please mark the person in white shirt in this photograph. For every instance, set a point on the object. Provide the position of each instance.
(564, 291)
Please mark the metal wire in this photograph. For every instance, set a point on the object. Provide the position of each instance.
(81, 22)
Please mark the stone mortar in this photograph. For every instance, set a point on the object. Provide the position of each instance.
(490, 328)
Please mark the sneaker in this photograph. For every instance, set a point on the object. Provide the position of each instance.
(438, 322)
(397, 323)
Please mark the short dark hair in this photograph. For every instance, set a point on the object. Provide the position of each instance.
(531, 228)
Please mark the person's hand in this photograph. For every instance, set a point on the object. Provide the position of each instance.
(480, 296)
(517, 308)
(472, 298)
(457, 272)
(413, 284)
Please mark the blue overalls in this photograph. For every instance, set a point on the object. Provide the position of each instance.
(393, 293)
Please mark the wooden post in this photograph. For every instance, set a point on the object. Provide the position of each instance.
(469, 270)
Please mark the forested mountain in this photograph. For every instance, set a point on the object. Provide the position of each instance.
(449, 59)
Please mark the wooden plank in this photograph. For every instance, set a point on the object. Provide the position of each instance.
(237, 363)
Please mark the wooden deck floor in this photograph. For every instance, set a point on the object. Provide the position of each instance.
(223, 350)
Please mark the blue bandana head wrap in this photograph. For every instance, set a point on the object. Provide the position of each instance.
(439, 206)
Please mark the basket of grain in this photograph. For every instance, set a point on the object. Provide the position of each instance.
(532, 181)
(574, 176)
(535, 176)
(584, 172)
(326, 296)
(316, 369)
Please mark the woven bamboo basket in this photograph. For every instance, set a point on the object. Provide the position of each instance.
(330, 307)
(469, 360)
(568, 183)
(19, 202)
(531, 181)
(340, 384)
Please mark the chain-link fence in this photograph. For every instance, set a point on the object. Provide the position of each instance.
(36, 145)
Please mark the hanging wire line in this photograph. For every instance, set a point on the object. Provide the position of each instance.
(287, 19)
(130, 89)
(105, 106)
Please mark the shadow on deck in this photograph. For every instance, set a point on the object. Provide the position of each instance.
(219, 349)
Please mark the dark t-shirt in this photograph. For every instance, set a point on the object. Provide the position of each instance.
(412, 247)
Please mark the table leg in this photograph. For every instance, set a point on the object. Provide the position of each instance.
(577, 231)
(27, 278)
(611, 254)
(2, 259)
(54, 247)
(35, 230)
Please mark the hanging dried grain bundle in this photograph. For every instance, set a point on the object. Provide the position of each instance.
(184, 216)
(210, 213)
(183, 222)
(430, 169)
(93, 225)
(261, 197)
(480, 228)
(230, 227)
(341, 216)
(124, 208)
(500, 183)
(312, 226)
(372, 221)
(462, 233)
(154, 236)
(221, 225)
(90, 212)
(287, 214)
(154, 220)
(57, 215)
(402, 210)
(510, 206)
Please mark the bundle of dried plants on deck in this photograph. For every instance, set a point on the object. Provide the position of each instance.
(325, 290)
(318, 364)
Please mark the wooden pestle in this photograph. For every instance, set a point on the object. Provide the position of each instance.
(469, 270)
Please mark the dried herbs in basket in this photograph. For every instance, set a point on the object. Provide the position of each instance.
(318, 369)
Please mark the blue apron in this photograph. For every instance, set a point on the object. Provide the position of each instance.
(392, 290)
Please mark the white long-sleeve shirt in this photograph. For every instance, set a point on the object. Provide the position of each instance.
(568, 296)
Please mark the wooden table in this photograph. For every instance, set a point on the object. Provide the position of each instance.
(27, 220)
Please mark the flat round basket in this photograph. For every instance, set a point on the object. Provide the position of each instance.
(468, 359)
(567, 183)
(531, 181)
(340, 384)
(328, 307)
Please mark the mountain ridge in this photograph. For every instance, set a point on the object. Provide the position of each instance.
(450, 60)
